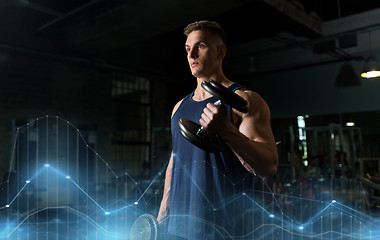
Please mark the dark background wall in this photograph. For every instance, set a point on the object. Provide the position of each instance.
(319, 90)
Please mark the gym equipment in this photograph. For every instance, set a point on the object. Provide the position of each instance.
(194, 133)
(145, 227)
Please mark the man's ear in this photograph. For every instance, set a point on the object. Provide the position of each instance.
(222, 51)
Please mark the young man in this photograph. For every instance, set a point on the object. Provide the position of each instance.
(198, 183)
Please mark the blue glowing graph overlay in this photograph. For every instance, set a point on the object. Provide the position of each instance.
(59, 187)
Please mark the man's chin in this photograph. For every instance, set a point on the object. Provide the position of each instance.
(195, 73)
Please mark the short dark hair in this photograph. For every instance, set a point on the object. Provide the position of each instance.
(213, 27)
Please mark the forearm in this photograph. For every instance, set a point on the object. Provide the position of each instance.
(256, 156)
(165, 203)
(164, 207)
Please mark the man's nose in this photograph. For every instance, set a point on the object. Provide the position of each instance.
(193, 53)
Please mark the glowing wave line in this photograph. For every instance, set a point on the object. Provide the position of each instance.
(227, 235)
(66, 208)
(151, 183)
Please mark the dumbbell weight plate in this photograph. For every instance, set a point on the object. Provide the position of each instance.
(225, 95)
(207, 142)
(145, 227)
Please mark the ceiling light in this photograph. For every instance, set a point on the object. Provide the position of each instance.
(350, 124)
(371, 68)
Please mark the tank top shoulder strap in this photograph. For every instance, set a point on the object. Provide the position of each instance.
(235, 86)
(186, 99)
(188, 96)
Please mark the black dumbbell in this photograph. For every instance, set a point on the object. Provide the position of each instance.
(194, 133)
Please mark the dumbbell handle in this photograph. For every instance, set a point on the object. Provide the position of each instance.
(217, 103)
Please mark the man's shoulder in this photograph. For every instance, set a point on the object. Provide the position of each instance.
(256, 103)
(176, 106)
(179, 103)
(249, 95)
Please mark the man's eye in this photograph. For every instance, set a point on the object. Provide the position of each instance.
(201, 46)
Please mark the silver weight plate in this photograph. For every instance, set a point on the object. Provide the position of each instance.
(144, 228)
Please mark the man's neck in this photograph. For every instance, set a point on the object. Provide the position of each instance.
(201, 94)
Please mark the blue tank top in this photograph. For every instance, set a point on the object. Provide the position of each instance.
(202, 182)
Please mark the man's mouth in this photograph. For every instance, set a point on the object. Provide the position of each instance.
(194, 64)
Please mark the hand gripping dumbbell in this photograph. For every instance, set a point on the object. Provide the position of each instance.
(194, 132)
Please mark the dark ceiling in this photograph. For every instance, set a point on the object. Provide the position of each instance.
(146, 35)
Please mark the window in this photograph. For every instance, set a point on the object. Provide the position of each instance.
(131, 133)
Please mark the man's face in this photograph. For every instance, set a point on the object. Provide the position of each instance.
(203, 53)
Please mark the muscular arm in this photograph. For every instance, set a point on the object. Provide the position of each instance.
(164, 208)
(165, 203)
(251, 138)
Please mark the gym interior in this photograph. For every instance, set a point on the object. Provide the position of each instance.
(87, 89)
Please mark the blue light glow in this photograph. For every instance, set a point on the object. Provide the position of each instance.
(102, 204)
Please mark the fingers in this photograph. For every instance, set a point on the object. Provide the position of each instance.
(211, 117)
(208, 114)
(210, 110)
